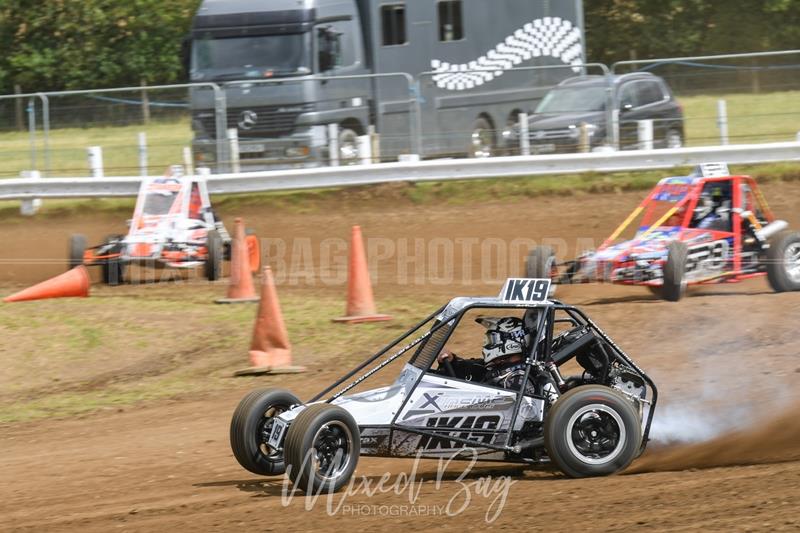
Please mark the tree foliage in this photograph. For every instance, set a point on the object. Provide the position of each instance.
(643, 29)
(68, 44)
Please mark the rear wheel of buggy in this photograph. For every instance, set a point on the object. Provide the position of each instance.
(541, 263)
(251, 426)
(77, 247)
(114, 269)
(675, 272)
(321, 448)
(783, 262)
(592, 431)
(213, 264)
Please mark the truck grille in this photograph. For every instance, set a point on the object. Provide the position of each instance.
(256, 121)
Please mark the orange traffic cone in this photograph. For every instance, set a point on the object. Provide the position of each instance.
(270, 350)
(73, 283)
(241, 288)
(360, 302)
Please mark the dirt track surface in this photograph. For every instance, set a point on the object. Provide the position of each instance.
(725, 358)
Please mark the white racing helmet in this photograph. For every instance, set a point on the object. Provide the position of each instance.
(504, 336)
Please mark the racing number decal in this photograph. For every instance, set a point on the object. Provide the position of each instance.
(525, 290)
(485, 422)
(711, 256)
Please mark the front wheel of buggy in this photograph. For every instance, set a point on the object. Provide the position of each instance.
(592, 431)
(540, 263)
(213, 264)
(675, 272)
(114, 268)
(251, 426)
(783, 262)
(321, 448)
(77, 247)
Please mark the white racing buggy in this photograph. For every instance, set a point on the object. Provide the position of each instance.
(173, 226)
(592, 423)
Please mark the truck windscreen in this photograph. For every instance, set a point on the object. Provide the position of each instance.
(251, 57)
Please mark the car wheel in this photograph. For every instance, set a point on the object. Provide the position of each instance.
(213, 264)
(592, 430)
(348, 147)
(77, 247)
(321, 449)
(251, 425)
(675, 272)
(541, 263)
(673, 139)
(482, 139)
(114, 269)
(783, 262)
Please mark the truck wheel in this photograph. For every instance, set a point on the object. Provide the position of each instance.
(482, 139)
(673, 139)
(213, 264)
(540, 263)
(348, 147)
(114, 269)
(77, 246)
(251, 425)
(321, 448)
(783, 262)
(675, 272)
(253, 250)
(592, 430)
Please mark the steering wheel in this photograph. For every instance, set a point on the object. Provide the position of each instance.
(561, 338)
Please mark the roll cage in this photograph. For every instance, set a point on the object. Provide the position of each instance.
(444, 321)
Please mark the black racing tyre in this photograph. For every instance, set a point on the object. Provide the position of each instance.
(675, 272)
(592, 430)
(213, 264)
(77, 246)
(114, 269)
(251, 425)
(783, 262)
(348, 146)
(321, 448)
(673, 139)
(481, 142)
(540, 263)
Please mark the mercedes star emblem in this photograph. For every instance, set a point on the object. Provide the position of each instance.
(247, 119)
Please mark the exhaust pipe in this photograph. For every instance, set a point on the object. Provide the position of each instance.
(771, 229)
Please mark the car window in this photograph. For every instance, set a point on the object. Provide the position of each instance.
(627, 96)
(649, 92)
(573, 99)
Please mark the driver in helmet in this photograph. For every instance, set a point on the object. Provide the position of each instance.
(710, 212)
(503, 361)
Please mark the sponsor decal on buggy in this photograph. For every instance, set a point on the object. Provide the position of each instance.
(431, 403)
(525, 290)
(546, 37)
(478, 428)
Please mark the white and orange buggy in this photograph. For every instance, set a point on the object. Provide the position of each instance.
(173, 226)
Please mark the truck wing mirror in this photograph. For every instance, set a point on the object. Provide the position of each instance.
(186, 55)
(329, 47)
